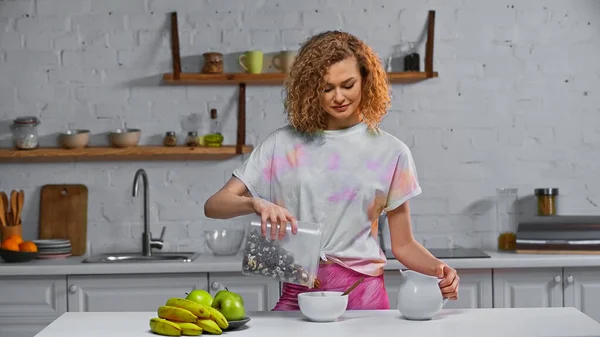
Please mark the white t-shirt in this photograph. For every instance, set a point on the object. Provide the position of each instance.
(343, 179)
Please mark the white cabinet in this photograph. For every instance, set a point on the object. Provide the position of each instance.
(532, 287)
(475, 290)
(582, 290)
(30, 303)
(259, 294)
(144, 292)
(549, 287)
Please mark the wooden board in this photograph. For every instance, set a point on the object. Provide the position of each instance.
(63, 214)
(572, 252)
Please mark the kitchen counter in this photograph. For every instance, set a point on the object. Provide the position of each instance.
(512, 322)
(210, 263)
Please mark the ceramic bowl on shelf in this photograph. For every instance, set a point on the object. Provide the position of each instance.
(125, 137)
(74, 139)
(224, 241)
(322, 306)
(12, 256)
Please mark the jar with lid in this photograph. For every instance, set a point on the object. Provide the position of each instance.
(546, 201)
(507, 217)
(25, 135)
(192, 139)
(170, 139)
(213, 63)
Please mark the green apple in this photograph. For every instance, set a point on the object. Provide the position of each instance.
(226, 292)
(230, 305)
(200, 296)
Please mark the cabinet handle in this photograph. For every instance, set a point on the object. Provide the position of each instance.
(557, 279)
(215, 285)
(72, 289)
(570, 279)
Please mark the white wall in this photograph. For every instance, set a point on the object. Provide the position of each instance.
(516, 103)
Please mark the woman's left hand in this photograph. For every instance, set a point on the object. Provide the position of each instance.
(449, 282)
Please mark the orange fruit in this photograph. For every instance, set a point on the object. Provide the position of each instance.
(28, 246)
(10, 245)
(14, 237)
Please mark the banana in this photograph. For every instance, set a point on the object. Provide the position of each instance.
(164, 327)
(195, 308)
(190, 329)
(218, 317)
(208, 325)
(176, 314)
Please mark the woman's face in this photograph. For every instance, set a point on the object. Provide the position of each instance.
(342, 94)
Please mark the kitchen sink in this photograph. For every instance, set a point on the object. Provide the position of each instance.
(139, 257)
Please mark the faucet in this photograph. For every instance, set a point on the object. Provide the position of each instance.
(147, 241)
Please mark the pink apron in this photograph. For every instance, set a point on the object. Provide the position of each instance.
(369, 295)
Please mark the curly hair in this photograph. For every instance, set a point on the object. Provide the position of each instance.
(305, 81)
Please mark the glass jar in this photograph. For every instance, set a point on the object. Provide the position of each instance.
(507, 217)
(25, 135)
(170, 139)
(213, 63)
(546, 201)
(192, 139)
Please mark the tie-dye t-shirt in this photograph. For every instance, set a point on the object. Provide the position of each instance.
(343, 179)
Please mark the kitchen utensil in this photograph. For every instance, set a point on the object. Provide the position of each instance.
(74, 139)
(322, 306)
(20, 202)
(14, 196)
(125, 137)
(6, 203)
(353, 286)
(63, 214)
(224, 241)
(14, 256)
(419, 296)
(2, 213)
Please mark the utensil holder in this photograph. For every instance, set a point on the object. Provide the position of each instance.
(7, 231)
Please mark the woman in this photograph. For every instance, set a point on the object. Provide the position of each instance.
(332, 165)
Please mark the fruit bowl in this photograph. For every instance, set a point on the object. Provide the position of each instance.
(13, 256)
(224, 241)
(322, 306)
(238, 323)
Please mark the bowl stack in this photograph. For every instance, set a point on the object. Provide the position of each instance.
(53, 249)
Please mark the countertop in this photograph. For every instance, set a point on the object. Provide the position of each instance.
(209, 263)
(503, 322)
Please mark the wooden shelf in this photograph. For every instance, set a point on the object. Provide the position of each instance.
(269, 78)
(121, 154)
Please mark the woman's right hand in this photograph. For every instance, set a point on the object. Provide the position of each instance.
(278, 216)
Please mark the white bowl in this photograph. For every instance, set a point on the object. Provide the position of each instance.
(322, 306)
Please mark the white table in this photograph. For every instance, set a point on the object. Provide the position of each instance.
(530, 322)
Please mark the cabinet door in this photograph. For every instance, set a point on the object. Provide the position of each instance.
(523, 288)
(23, 328)
(144, 292)
(582, 290)
(32, 296)
(30, 303)
(260, 294)
(475, 290)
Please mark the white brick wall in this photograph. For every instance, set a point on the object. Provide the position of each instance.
(516, 104)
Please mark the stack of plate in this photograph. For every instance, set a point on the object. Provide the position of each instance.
(53, 249)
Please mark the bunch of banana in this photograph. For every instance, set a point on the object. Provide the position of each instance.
(182, 317)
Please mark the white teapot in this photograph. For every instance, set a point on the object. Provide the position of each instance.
(419, 296)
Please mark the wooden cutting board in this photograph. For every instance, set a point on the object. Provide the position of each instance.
(63, 214)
